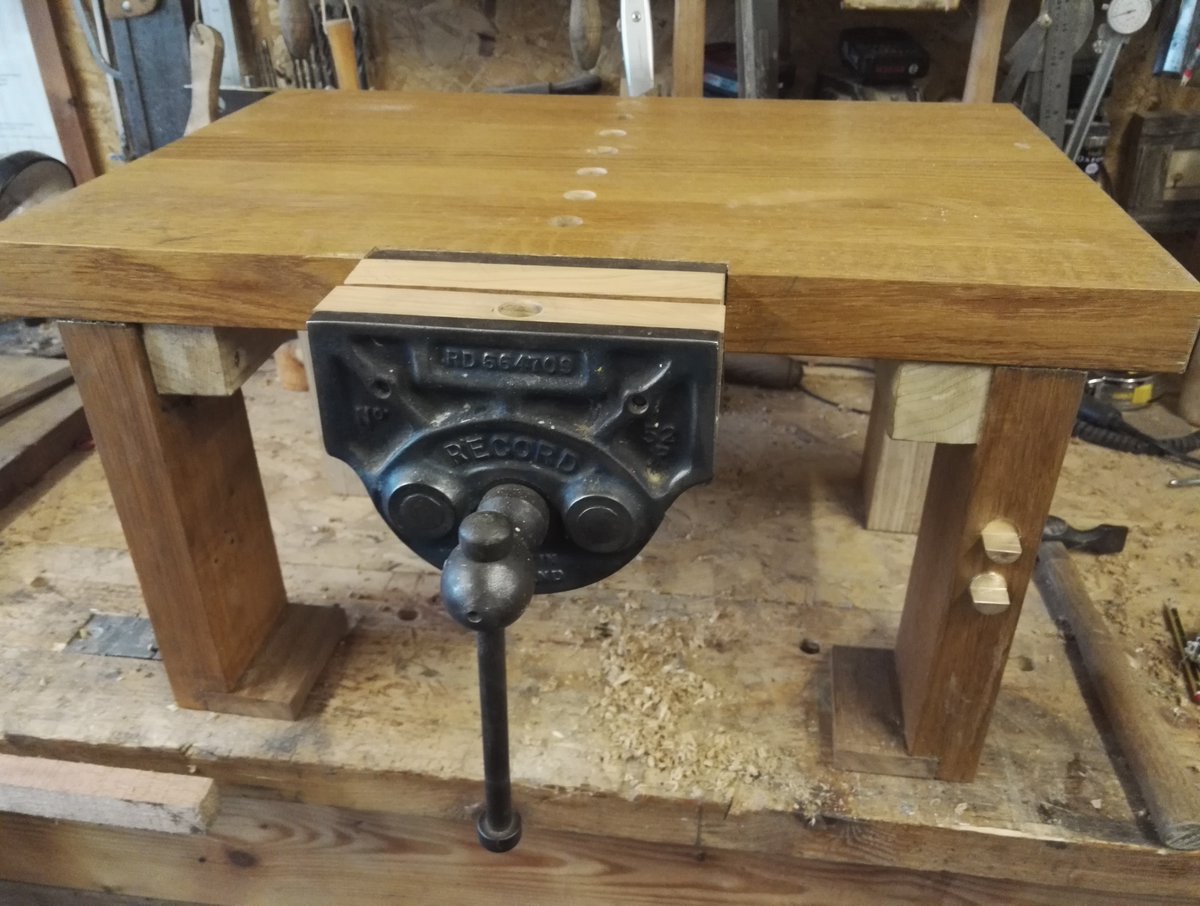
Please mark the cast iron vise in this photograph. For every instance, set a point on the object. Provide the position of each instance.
(518, 456)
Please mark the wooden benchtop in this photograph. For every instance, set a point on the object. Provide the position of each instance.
(911, 231)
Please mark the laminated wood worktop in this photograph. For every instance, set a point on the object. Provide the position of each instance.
(934, 232)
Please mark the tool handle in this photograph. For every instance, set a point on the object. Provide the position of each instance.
(340, 33)
(206, 51)
(586, 29)
(985, 52)
(1170, 791)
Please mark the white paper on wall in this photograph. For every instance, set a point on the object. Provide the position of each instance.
(26, 123)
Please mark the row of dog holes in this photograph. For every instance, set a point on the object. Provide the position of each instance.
(570, 220)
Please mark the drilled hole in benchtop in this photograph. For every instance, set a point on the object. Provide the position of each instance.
(566, 220)
(604, 151)
(613, 133)
(624, 116)
(520, 309)
(579, 195)
(591, 171)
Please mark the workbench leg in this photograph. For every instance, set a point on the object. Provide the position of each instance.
(186, 485)
(949, 655)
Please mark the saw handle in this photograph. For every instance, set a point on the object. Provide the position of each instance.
(340, 33)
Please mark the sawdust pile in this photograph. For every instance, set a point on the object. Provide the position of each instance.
(668, 724)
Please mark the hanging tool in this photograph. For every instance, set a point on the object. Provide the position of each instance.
(339, 31)
(637, 45)
(1170, 790)
(586, 30)
(295, 24)
(206, 50)
(1026, 59)
(1101, 539)
(1123, 19)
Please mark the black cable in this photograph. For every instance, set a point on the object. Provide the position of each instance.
(1101, 423)
(834, 403)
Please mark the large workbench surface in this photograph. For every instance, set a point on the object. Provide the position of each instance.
(938, 232)
(668, 705)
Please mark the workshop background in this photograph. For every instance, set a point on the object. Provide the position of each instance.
(1064, 804)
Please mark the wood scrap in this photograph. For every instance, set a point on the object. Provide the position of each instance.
(114, 797)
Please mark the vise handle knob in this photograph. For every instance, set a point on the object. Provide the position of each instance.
(487, 583)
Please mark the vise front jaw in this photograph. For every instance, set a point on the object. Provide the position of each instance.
(517, 444)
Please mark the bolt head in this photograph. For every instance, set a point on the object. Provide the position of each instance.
(421, 511)
(600, 524)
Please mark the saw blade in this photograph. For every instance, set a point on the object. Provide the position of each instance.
(637, 44)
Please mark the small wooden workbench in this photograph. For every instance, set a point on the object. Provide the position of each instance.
(939, 233)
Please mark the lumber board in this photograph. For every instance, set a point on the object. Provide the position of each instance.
(950, 656)
(109, 796)
(261, 852)
(687, 48)
(24, 379)
(894, 473)
(206, 361)
(240, 227)
(561, 279)
(518, 309)
(35, 439)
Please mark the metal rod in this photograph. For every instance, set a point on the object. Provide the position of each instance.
(499, 826)
(1101, 76)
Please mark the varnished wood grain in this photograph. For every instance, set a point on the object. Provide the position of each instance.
(934, 232)
(949, 656)
(266, 853)
(185, 481)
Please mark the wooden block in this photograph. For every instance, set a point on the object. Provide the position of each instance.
(566, 278)
(867, 731)
(949, 656)
(934, 403)
(687, 49)
(206, 361)
(895, 473)
(431, 303)
(113, 797)
(35, 439)
(24, 379)
(279, 680)
(980, 87)
(185, 482)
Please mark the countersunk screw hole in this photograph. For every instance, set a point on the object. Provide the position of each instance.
(520, 309)
(624, 116)
(637, 404)
(381, 388)
(591, 171)
(579, 195)
(612, 133)
(473, 616)
(604, 151)
(566, 220)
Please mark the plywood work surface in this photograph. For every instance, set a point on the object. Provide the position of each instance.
(931, 232)
(670, 703)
